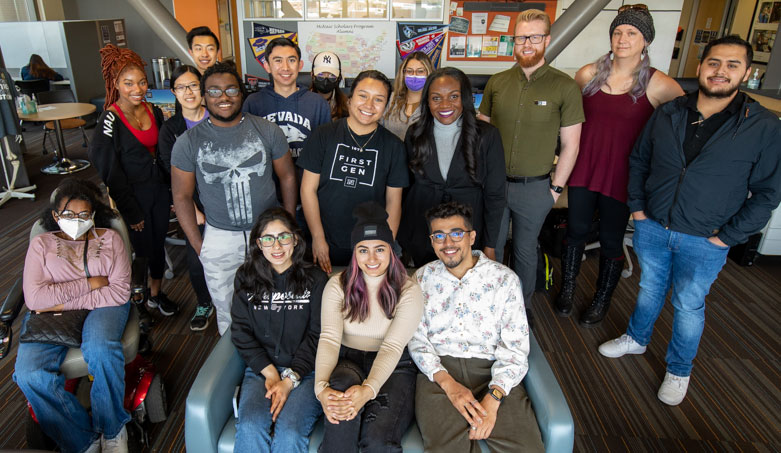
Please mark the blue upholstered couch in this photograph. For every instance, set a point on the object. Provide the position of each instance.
(209, 425)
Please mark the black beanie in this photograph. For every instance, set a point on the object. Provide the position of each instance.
(370, 223)
(638, 18)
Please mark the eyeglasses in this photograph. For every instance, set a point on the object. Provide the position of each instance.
(420, 72)
(268, 240)
(323, 76)
(638, 6)
(534, 39)
(70, 215)
(193, 87)
(455, 236)
(230, 92)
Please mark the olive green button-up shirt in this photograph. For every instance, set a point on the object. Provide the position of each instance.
(529, 113)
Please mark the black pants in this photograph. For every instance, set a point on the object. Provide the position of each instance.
(149, 243)
(613, 216)
(195, 269)
(382, 422)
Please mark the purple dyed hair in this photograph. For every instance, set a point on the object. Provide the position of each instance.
(356, 297)
(642, 76)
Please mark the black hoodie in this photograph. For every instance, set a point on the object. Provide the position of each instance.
(280, 329)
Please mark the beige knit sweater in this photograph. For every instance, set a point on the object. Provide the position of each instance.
(376, 333)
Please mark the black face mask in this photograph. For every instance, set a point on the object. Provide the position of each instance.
(325, 85)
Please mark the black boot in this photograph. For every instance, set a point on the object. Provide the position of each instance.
(571, 257)
(609, 275)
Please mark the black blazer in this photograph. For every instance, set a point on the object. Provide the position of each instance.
(429, 189)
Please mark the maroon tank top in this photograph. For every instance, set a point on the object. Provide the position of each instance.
(148, 137)
(613, 123)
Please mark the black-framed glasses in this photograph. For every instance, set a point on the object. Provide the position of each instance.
(193, 87)
(216, 92)
(638, 6)
(267, 240)
(323, 76)
(420, 72)
(534, 39)
(70, 215)
(455, 236)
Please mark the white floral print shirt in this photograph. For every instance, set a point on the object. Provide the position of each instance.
(480, 316)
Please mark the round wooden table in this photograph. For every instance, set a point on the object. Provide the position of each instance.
(55, 113)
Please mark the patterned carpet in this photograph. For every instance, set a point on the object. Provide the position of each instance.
(734, 400)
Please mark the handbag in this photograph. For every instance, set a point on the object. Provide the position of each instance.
(61, 328)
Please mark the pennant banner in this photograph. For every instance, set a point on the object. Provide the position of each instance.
(259, 43)
(417, 37)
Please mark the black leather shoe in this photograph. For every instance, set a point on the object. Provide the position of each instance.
(571, 257)
(609, 275)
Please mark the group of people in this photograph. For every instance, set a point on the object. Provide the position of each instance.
(405, 173)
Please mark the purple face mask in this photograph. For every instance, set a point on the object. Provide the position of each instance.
(414, 83)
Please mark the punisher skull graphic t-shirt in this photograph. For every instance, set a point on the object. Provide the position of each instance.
(349, 175)
(233, 168)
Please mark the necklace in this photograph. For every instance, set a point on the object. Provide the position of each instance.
(356, 141)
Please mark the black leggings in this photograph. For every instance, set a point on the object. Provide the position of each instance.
(149, 243)
(613, 217)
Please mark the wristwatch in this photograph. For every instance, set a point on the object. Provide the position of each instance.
(496, 394)
(557, 189)
(292, 375)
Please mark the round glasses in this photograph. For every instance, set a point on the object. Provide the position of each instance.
(455, 236)
(70, 215)
(268, 240)
(420, 72)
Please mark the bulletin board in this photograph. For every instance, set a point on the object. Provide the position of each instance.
(483, 30)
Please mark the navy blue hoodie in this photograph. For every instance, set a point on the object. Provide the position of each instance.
(297, 115)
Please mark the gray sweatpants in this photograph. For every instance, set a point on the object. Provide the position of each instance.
(222, 253)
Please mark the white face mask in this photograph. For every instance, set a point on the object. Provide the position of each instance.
(74, 228)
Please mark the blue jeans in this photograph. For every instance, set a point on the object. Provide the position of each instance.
(59, 413)
(690, 264)
(294, 423)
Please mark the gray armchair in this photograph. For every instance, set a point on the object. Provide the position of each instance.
(210, 427)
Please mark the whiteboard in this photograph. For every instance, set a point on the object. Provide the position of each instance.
(19, 40)
(359, 45)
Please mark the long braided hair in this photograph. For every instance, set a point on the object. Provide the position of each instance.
(113, 61)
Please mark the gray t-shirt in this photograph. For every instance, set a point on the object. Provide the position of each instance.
(233, 170)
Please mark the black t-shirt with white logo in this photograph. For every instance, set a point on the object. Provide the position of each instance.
(349, 176)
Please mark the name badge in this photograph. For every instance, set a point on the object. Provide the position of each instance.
(540, 103)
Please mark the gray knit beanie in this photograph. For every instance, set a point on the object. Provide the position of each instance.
(639, 18)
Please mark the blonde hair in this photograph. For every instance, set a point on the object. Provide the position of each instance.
(400, 88)
(534, 14)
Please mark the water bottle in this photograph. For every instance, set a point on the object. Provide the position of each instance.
(753, 82)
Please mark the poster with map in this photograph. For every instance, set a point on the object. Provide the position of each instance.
(359, 45)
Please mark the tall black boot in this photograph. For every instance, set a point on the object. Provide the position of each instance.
(609, 275)
(571, 257)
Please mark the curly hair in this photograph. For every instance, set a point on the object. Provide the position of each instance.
(113, 61)
(78, 189)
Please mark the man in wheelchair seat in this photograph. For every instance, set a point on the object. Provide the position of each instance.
(78, 265)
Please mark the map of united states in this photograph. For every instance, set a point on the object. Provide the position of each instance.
(357, 54)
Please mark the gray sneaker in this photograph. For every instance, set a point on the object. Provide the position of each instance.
(117, 444)
(673, 389)
(621, 346)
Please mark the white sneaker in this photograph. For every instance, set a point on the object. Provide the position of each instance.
(117, 444)
(673, 389)
(621, 346)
